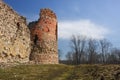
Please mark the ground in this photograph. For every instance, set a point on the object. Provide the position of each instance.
(60, 72)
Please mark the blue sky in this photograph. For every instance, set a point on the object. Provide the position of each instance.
(93, 18)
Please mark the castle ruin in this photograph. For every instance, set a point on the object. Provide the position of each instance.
(44, 38)
(19, 43)
(15, 43)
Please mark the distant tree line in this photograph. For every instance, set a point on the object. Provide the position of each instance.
(91, 51)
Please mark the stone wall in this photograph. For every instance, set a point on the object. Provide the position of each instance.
(14, 36)
(44, 37)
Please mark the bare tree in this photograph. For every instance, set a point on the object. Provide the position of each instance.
(78, 47)
(104, 49)
(114, 57)
(69, 57)
(92, 51)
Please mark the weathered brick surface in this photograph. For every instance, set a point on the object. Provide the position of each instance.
(45, 46)
(14, 36)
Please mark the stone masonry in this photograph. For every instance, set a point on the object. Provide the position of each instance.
(18, 43)
(14, 36)
(44, 38)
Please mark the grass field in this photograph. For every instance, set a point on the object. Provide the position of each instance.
(61, 72)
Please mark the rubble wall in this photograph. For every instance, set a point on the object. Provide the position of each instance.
(14, 36)
(44, 37)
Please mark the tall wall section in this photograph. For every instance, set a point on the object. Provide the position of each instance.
(44, 37)
(14, 36)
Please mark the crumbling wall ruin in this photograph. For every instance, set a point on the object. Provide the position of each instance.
(14, 36)
(44, 37)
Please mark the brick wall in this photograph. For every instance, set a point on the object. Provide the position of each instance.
(44, 37)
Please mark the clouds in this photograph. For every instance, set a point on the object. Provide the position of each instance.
(81, 27)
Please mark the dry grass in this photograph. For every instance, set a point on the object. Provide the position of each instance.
(61, 72)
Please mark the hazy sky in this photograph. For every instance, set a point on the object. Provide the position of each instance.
(93, 18)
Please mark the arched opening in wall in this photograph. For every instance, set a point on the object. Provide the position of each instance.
(35, 39)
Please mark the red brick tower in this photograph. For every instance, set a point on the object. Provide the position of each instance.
(44, 37)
